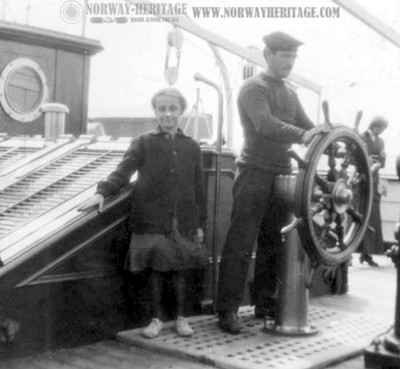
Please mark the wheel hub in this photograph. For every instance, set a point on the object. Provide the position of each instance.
(342, 196)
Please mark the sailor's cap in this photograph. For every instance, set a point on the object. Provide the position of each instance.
(280, 41)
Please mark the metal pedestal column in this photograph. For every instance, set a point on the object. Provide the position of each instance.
(384, 352)
(293, 289)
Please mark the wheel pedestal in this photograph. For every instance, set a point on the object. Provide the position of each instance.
(293, 297)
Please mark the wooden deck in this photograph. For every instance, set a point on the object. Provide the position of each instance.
(372, 292)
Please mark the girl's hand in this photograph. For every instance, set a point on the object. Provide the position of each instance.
(96, 201)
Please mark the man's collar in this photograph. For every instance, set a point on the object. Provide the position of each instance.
(267, 77)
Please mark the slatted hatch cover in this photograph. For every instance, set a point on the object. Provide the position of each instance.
(52, 185)
(340, 335)
(14, 150)
(10, 156)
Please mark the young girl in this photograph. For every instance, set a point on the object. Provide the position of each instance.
(168, 209)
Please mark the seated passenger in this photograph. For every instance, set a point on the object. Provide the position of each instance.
(168, 209)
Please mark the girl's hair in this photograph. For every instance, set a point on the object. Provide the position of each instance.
(169, 91)
(379, 121)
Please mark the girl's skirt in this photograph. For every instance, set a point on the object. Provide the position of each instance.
(161, 253)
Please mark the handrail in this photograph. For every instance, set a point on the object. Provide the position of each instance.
(199, 77)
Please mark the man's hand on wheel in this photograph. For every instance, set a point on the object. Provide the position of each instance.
(310, 134)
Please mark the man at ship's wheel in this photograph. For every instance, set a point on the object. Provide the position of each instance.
(272, 119)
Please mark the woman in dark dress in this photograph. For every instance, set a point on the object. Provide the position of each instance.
(168, 209)
(373, 239)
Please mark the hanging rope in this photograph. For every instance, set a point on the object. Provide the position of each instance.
(173, 56)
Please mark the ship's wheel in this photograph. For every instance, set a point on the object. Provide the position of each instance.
(333, 196)
(330, 198)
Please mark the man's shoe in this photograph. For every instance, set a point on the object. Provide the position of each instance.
(153, 329)
(183, 328)
(229, 322)
(261, 312)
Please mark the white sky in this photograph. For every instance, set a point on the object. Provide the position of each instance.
(357, 68)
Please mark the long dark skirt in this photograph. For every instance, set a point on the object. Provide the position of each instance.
(373, 241)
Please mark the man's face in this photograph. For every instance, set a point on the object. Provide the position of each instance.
(280, 63)
(167, 111)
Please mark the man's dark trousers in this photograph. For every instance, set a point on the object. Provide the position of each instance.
(255, 212)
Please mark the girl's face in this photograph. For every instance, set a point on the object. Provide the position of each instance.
(167, 111)
(377, 130)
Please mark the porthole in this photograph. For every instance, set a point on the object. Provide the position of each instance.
(23, 89)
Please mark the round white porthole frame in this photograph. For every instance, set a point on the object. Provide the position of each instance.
(10, 68)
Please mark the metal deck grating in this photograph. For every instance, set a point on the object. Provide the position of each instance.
(341, 335)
